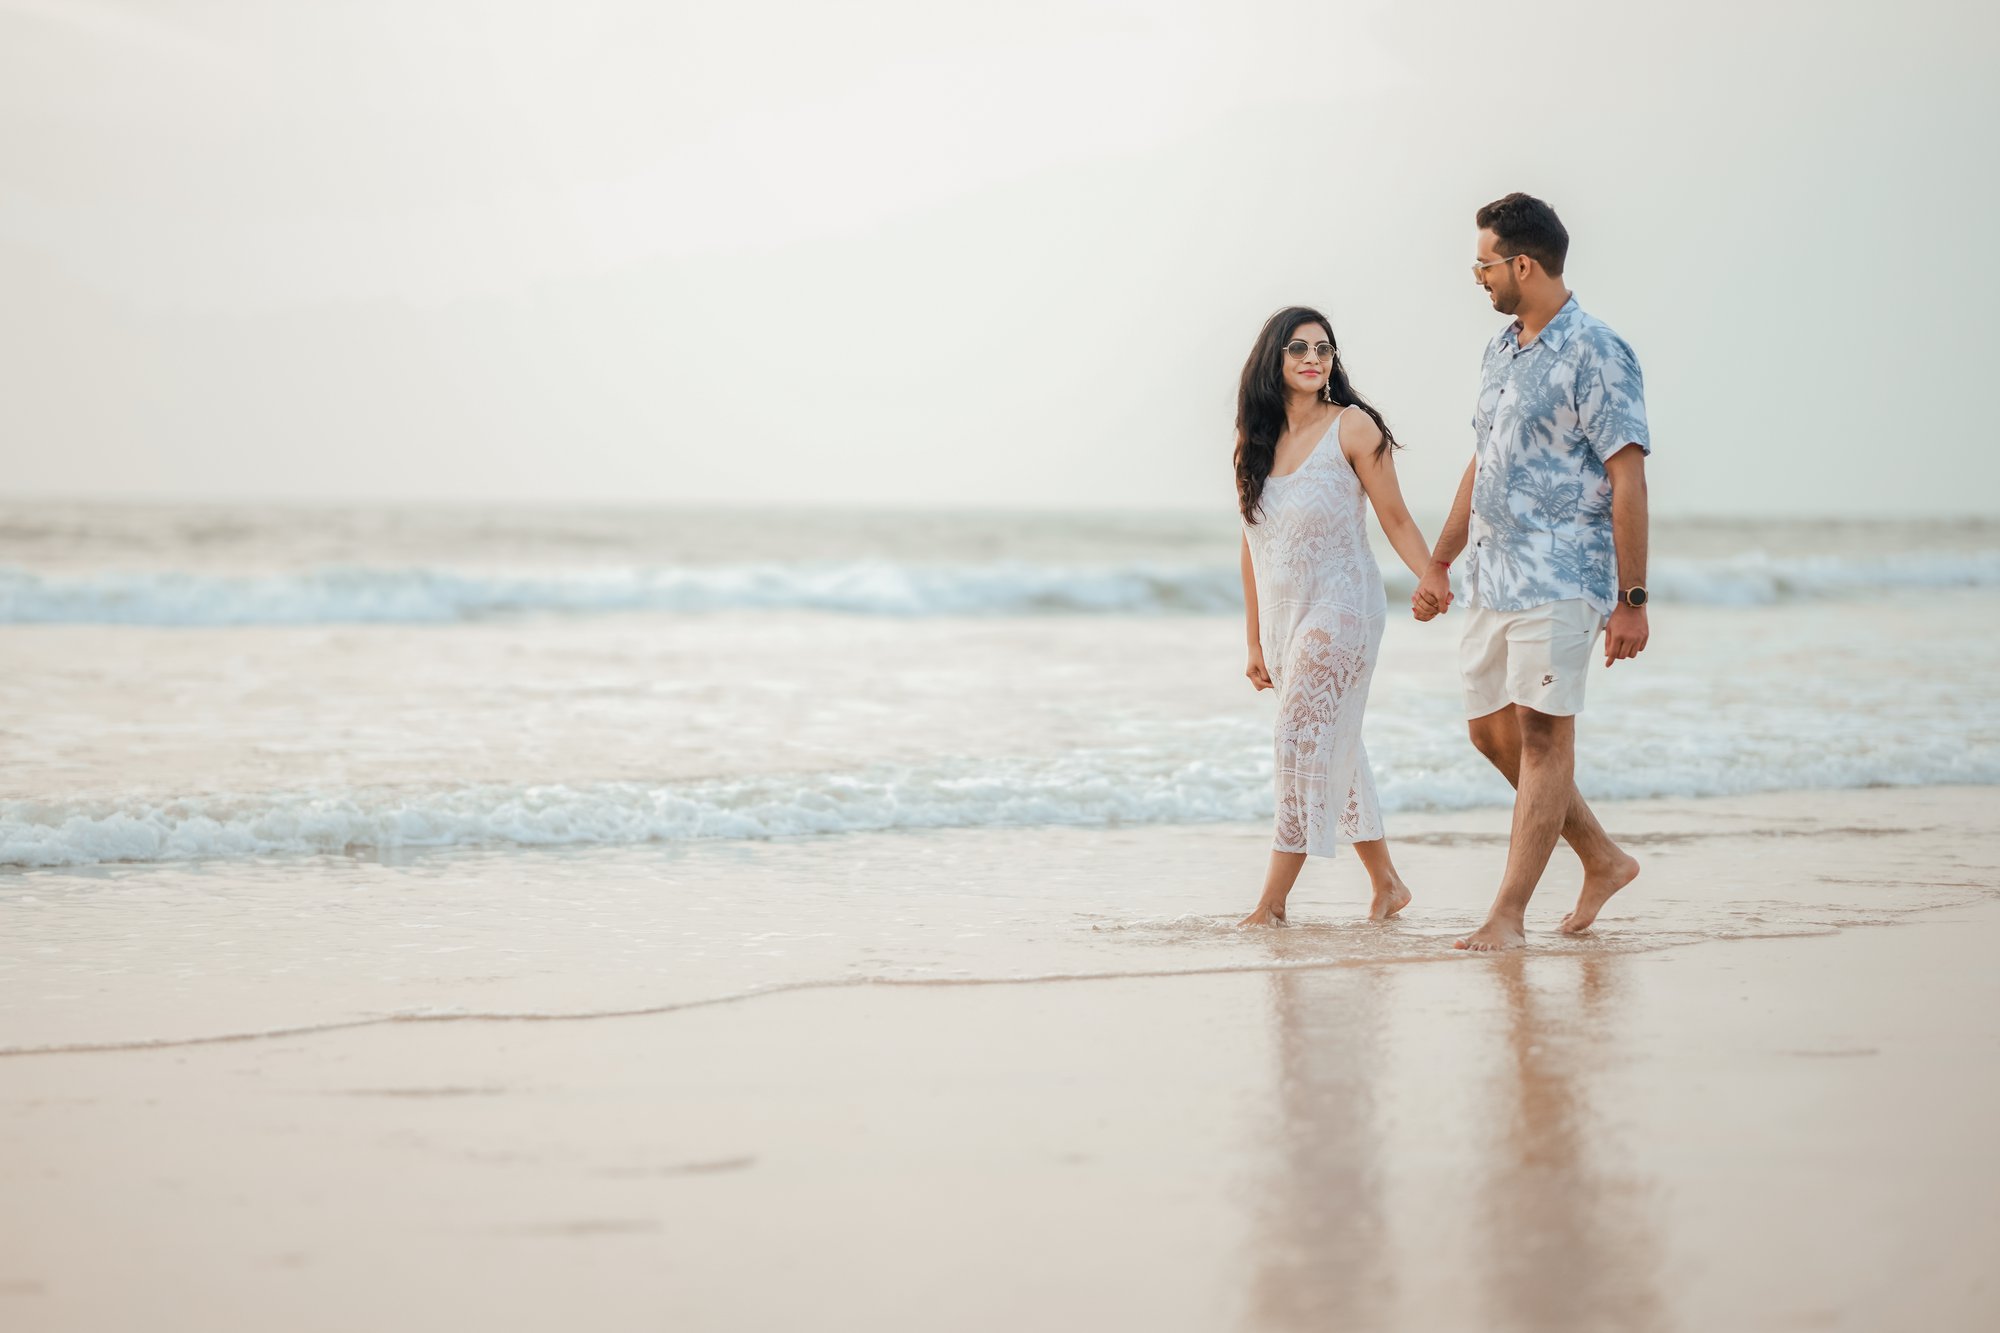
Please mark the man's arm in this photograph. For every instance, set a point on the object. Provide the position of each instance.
(1625, 636)
(1433, 593)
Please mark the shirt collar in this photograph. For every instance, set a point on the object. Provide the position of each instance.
(1556, 332)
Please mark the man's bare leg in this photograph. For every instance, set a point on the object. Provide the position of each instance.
(1607, 867)
(1278, 881)
(1391, 894)
(1543, 794)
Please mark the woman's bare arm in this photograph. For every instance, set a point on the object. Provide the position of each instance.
(1360, 439)
(1249, 595)
(1259, 676)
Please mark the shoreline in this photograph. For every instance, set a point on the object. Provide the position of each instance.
(1426, 819)
(1699, 1137)
(288, 948)
(1697, 1117)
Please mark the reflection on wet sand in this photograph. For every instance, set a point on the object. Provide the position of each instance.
(1569, 1245)
(1321, 1235)
(1559, 1238)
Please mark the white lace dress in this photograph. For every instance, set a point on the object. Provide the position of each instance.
(1320, 612)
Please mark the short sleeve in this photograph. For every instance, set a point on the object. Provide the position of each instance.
(1611, 396)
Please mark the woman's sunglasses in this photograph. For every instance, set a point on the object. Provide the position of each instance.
(1296, 349)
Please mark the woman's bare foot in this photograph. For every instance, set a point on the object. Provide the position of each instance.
(1598, 886)
(1493, 937)
(1264, 916)
(1390, 898)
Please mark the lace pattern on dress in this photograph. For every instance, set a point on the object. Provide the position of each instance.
(1325, 792)
(1321, 612)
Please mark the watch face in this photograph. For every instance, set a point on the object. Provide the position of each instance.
(1635, 596)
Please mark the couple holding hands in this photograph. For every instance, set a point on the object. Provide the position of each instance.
(1550, 520)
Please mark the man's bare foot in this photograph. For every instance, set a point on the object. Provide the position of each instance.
(1264, 916)
(1389, 900)
(1597, 890)
(1493, 937)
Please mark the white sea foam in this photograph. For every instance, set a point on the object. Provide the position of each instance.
(1756, 579)
(1089, 788)
(413, 596)
(1069, 790)
(439, 595)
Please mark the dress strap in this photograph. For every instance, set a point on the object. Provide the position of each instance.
(1333, 433)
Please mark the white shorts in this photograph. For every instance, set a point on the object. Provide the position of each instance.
(1538, 657)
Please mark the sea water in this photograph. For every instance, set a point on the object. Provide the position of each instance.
(296, 742)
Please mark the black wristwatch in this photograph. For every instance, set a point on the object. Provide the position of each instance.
(1634, 595)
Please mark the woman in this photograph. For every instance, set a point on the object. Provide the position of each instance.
(1307, 451)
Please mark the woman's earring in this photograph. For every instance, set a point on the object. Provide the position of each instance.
(1326, 392)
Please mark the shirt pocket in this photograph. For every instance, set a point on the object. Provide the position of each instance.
(1561, 399)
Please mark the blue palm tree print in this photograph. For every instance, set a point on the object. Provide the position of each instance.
(1549, 414)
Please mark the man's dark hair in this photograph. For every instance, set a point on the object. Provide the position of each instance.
(1524, 225)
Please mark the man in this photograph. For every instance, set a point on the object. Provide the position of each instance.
(1554, 506)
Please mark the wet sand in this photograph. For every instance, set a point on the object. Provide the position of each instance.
(1643, 1130)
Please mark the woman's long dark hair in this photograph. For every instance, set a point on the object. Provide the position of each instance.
(1260, 402)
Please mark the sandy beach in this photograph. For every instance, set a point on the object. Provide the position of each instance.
(649, 656)
(1758, 1097)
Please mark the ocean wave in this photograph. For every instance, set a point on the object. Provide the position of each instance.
(1756, 579)
(421, 596)
(1095, 788)
(1076, 789)
(434, 596)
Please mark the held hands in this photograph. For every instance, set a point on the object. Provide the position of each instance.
(1256, 672)
(1433, 595)
(1625, 634)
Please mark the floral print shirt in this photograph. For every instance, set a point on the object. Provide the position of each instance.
(1549, 415)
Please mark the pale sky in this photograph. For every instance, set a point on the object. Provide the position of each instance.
(936, 254)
